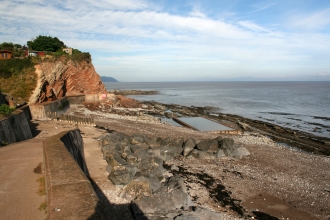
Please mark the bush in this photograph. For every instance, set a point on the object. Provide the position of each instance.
(5, 109)
(81, 57)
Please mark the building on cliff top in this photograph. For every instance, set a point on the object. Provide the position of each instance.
(5, 54)
(68, 50)
(36, 53)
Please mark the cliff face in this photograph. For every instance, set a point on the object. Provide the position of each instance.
(65, 77)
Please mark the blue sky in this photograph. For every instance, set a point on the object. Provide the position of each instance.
(181, 40)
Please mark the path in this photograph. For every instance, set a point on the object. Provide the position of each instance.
(20, 167)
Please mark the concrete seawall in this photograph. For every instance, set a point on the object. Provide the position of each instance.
(15, 127)
(70, 194)
(43, 111)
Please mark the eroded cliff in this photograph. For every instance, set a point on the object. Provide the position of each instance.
(65, 77)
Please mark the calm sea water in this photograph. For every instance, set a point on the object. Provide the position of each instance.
(303, 106)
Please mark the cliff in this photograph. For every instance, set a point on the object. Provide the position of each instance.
(65, 77)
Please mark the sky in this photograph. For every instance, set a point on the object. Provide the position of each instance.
(183, 40)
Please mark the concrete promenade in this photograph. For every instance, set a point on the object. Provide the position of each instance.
(20, 167)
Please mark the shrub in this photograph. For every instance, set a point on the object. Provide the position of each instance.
(5, 109)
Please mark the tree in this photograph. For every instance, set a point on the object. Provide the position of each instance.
(7, 46)
(16, 49)
(46, 43)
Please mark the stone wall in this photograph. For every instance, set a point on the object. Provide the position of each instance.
(15, 127)
(70, 194)
(43, 111)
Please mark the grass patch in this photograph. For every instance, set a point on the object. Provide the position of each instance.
(20, 85)
(42, 186)
(43, 207)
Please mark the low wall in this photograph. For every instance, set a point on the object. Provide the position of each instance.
(99, 97)
(15, 127)
(43, 111)
(70, 194)
(78, 99)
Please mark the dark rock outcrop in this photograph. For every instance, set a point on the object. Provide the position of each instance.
(137, 163)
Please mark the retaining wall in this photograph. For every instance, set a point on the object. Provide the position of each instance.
(43, 111)
(78, 99)
(70, 194)
(15, 127)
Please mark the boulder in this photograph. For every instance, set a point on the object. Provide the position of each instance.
(194, 154)
(206, 155)
(151, 166)
(124, 140)
(130, 158)
(115, 159)
(177, 142)
(189, 145)
(219, 138)
(122, 174)
(135, 148)
(166, 141)
(143, 153)
(151, 179)
(200, 214)
(135, 189)
(172, 196)
(175, 168)
(226, 143)
(208, 145)
(153, 144)
(138, 139)
(220, 154)
(166, 153)
(110, 138)
(240, 152)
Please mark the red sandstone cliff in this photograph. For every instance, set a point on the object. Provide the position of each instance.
(65, 77)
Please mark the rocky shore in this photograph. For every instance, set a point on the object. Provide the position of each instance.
(133, 92)
(273, 182)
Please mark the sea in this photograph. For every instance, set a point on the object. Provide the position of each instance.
(303, 106)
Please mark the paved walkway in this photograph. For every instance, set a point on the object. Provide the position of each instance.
(20, 167)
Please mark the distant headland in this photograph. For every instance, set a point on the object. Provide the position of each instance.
(108, 79)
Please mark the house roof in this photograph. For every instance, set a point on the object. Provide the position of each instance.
(5, 51)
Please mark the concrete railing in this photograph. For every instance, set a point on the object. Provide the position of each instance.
(70, 194)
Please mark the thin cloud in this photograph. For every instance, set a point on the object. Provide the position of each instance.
(311, 21)
(252, 26)
(138, 35)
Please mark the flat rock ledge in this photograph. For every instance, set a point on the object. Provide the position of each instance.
(136, 163)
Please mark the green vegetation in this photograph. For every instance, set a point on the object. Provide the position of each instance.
(42, 186)
(43, 207)
(5, 109)
(16, 49)
(46, 43)
(18, 77)
(3, 143)
(14, 66)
